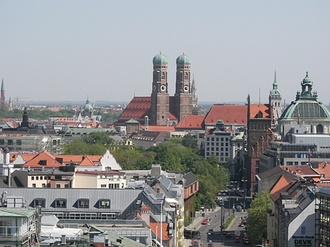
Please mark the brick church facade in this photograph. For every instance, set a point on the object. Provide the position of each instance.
(160, 108)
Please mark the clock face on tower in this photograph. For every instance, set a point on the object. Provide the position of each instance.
(163, 88)
(185, 88)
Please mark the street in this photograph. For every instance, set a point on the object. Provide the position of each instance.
(211, 233)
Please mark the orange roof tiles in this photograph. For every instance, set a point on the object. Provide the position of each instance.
(229, 114)
(324, 170)
(145, 207)
(280, 184)
(157, 226)
(44, 159)
(302, 170)
(86, 162)
(191, 122)
(137, 108)
(77, 158)
(160, 128)
(259, 108)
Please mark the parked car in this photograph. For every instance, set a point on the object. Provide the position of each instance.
(210, 231)
(237, 236)
(205, 221)
(195, 243)
(246, 240)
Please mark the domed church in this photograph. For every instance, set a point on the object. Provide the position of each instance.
(305, 114)
(161, 108)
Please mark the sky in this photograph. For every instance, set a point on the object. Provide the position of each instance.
(60, 50)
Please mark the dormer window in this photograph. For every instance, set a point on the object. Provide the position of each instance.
(43, 162)
(104, 203)
(83, 203)
(60, 203)
(39, 202)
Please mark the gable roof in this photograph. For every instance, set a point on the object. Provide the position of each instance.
(229, 114)
(68, 158)
(137, 108)
(191, 122)
(43, 160)
(301, 170)
(190, 179)
(259, 111)
(280, 184)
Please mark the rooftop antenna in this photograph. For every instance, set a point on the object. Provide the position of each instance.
(259, 96)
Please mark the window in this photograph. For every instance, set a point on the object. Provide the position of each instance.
(54, 142)
(19, 142)
(34, 185)
(32, 177)
(104, 203)
(58, 186)
(10, 142)
(2, 142)
(303, 230)
(60, 203)
(39, 202)
(83, 203)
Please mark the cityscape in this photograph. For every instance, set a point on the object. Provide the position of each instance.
(164, 124)
(82, 199)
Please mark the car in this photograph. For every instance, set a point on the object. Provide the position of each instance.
(228, 235)
(210, 244)
(195, 243)
(210, 231)
(246, 240)
(205, 221)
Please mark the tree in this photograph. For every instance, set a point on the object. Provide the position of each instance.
(257, 217)
(81, 147)
(98, 137)
(189, 141)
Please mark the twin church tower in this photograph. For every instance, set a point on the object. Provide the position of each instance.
(166, 109)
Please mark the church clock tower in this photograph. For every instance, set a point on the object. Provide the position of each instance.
(183, 91)
(159, 96)
(275, 102)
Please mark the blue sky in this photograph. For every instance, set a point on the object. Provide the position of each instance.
(71, 50)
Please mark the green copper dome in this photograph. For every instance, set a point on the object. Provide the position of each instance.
(306, 106)
(160, 59)
(183, 59)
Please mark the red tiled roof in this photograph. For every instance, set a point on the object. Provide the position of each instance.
(302, 170)
(77, 158)
(137, 108)
(87, 162)
(153, 227)
(191, 122)
(160, 128)
(145, 207)
(280, 184)
(229, 114)
(256, 108)
(44, 159)
(324, 169)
